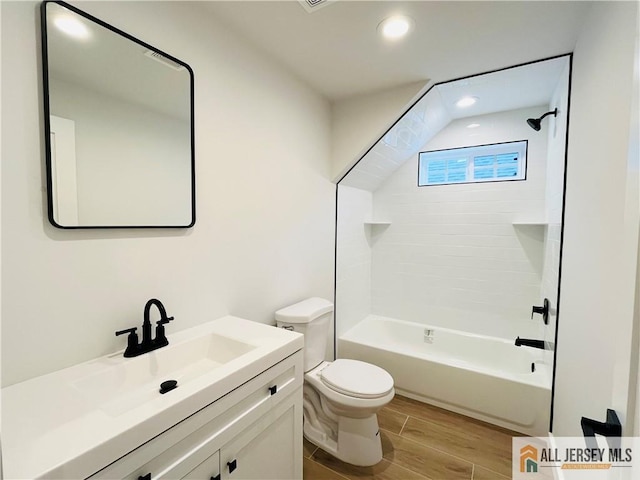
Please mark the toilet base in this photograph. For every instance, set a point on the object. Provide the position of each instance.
(358, 441)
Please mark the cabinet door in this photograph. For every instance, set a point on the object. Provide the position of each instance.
(270, 448)
(207, 470)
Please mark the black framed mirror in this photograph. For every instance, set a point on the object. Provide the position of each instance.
(119, 126)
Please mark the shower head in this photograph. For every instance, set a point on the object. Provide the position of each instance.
(535, 123)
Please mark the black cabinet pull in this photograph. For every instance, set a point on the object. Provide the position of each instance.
(232, 465)
(145, 477)
(273, 389)
(217, 477)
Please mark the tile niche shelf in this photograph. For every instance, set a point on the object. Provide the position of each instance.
(374, 229)
(535, 222)
(377, 222)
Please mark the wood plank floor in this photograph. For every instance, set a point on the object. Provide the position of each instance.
(421, 442)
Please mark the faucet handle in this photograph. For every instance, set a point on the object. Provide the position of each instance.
(161, 338)
(130, 331)
(163, 321)
(132, 341)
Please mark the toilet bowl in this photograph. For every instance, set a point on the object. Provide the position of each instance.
(348, 393)
(341, 398)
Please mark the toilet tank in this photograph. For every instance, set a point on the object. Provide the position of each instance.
(311, 318)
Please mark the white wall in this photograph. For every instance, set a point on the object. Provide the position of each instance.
(264, 236)
(125, 152)
(452, 256)
(634, 166)
(353, 258)
(598, 284)
(357, 122)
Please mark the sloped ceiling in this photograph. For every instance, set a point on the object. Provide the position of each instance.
(515, 88)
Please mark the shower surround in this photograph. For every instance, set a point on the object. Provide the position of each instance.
(468, 257)
(462, 262)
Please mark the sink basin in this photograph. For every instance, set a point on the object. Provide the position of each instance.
(124, 384)
(71, 423)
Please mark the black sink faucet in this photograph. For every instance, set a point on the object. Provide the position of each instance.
(146, 324)
(148, 344)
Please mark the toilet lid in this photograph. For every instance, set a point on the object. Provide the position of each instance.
(357, 379)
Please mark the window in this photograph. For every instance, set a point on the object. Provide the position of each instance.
(484, 163)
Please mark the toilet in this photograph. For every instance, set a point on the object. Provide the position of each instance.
(341, 398)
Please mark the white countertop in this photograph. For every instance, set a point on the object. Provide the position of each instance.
(51, 430)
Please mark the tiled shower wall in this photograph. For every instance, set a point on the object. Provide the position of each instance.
(452, 256)
(353, 257)
(557, 131)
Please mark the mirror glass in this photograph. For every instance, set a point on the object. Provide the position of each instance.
(449, 232)
(119, 127)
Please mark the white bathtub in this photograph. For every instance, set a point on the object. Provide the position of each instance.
(483, 377)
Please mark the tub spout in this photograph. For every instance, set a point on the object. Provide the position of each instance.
(527, 342)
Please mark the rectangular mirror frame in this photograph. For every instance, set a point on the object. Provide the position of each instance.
(47, 122)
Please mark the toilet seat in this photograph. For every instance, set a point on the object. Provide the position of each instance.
(357, 379)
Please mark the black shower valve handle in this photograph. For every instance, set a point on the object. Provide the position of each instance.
(535, 310)
(543, 310)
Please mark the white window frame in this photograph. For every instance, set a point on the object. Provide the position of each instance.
(470, 153)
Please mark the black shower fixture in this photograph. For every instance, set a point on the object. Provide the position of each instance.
(535, 122)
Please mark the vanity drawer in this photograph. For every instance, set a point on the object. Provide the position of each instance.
(210, 468)
(180, 449)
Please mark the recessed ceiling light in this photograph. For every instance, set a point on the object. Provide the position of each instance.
(466, 102)
(395, 27)
(473, 125)
(72, 27)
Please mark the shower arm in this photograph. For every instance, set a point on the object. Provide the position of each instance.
(554, 112)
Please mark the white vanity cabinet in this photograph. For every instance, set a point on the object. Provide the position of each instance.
(209, 469)
(235, 414)
(266, 449)
(253, 432)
